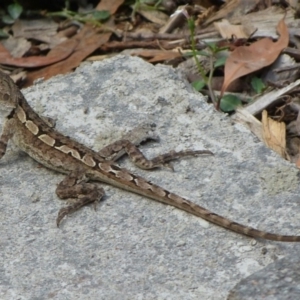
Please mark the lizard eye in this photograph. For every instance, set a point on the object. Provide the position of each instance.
(5, 97)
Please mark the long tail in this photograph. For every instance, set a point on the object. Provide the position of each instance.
(140, 186)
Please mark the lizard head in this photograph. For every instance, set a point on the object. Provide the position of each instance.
(9, 93)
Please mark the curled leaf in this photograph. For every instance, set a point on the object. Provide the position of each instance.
(247, 59)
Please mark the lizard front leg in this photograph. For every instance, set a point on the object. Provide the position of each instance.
(129, 142)
(75, 186)
(138, 158)
(136, 136)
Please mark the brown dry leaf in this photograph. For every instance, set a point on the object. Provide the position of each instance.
(247, 59)
(109, 5)
(228, 30)
(17, 47)
(274, 134)
(231, 9)
(87, 40)
(58, 53)
(40, 30)
(155, 16)
(153, 55)
(263, 23)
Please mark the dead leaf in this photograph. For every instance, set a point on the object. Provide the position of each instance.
(274, 134)
(153, 55)
(228, 30)
(263, 23)
(155, 16)
(17, 47)
(88, 40)
(247, 59)
(231, 9)
(39, 30)
(109, 5)
(58, 53)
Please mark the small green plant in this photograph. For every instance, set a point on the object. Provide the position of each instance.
(93, 17)
(257, 84)
(195, 53)
(229, 103)
(210, 52)
(13, 13)
(8, 17)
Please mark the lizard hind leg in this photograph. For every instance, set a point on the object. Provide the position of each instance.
(75, 186)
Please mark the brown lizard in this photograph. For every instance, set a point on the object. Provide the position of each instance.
(35, 136)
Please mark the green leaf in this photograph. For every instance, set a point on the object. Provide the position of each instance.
(257, 84)
(188, 54)
(191, 24)
(203, 53)
(220, 62)
(101, 15)
(198, 85)
(7, 19)
(230, 103)
(15, 10)
(212, 46)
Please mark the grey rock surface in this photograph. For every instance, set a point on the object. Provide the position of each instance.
(279, 280)
(133, 247)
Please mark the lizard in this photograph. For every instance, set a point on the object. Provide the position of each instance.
(37, 137)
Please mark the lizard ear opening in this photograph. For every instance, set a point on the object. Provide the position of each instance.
(6, 101)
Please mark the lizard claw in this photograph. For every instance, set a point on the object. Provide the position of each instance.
(61, 214)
